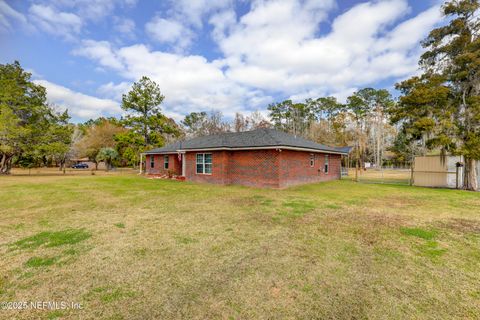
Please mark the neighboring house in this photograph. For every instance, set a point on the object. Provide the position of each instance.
(260, 158)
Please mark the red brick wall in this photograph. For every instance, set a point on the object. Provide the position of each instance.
(258, 168)
(219, 168)
(174, 165)
(250, 167)
(295, 168)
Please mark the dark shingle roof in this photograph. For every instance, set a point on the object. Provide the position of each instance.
(345, 149)
(168, 148)
(248, 139)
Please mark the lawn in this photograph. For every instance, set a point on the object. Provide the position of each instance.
(126, 247)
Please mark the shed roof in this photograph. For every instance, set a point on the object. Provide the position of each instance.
(244, 140)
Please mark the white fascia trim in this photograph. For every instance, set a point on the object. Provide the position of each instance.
(170, 152)
(263, 148)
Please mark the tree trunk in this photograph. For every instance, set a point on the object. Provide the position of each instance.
(470, 175)
(357, 163)
(356, 171)
(6, 164)
(145, 129)
(380, 145)
(2, 162)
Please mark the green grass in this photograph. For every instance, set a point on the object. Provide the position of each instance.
(296, 208)
(57, 314)
(108, 294)
(115, 294)
(184, 240)
(52, 239)
(37, 262)
(431, 249)
(418, 232)
(331, 250)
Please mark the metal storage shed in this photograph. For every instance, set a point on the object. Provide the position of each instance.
(431, 171)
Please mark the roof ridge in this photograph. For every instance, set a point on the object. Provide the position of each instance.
(261, 137)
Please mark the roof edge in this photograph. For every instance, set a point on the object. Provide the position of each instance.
(160, 152)
(251, 148)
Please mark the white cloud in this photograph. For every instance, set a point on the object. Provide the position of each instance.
(69, 19)
(78, 104)
(275, 46)
(7, 14)
(55, 22)
(178, 26)
(91, 9)
(194, 11)
(407, 35)
(125, 26)
(222, 22)
(190, 83)
(101, 51)
(114, 91)
(94, 10)
(169, 31)
(276, 49)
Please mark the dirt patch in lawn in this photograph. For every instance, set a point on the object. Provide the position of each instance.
(463, 225)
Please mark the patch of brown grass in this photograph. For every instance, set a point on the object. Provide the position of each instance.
(463, 226)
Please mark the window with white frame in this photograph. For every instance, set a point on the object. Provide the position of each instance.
(204, 163)
(326, 163)
(152, 161)
(312, 160)
(165, 161)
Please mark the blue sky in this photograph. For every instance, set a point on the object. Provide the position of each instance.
(231, 56)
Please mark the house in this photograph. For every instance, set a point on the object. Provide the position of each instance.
(433, 171)
(260, 158)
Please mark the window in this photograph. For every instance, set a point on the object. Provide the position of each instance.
(152, 161)
(312, 160)
(204, 163)
(326, 163)
(165, 161)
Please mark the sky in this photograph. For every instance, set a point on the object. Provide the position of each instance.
(228, 56)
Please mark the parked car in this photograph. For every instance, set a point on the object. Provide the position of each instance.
(80, 166)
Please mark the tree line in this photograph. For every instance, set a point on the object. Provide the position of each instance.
(437, 111)
(362, 122)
